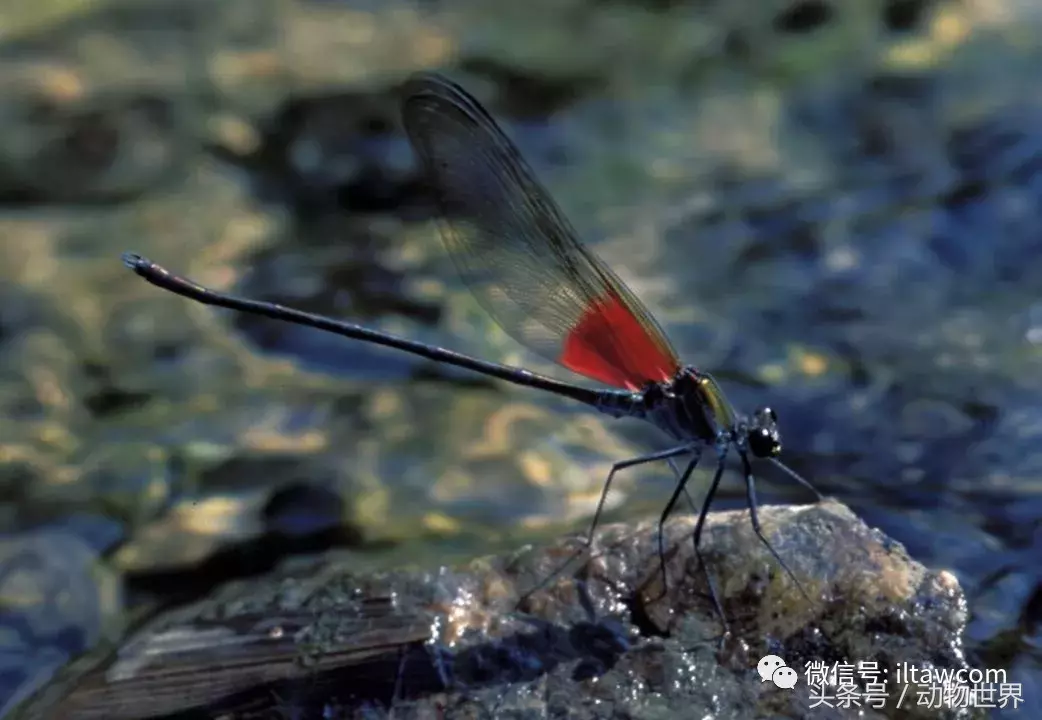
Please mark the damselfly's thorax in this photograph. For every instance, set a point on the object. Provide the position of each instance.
(693, 406)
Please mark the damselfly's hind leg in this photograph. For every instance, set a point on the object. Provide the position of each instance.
(682, 480)
(622, 465)
(697, 539)
(681, 487)
(750, 490)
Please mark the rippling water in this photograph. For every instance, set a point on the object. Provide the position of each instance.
(838, 215)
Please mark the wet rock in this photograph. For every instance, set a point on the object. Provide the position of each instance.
(610, 640)
(527, 94)
(906, 15)
(340, 150)
(879, 131)
(106, 396)
(203, 542)
(57, 602)
(342, 270)
(345, 150)
(305, 510)
(101, 150)
(803, 17)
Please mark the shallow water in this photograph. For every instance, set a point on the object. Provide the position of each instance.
(838, 220)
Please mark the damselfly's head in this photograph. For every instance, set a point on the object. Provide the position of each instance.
(762, 435)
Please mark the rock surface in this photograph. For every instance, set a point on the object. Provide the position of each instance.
(603, 639)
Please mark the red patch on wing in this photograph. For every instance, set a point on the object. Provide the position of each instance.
(610, 345)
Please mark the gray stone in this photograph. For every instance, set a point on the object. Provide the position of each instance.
(605, 639)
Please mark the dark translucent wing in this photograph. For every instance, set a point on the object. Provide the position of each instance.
(516, 251)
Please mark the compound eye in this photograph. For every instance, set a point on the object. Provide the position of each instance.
(764, 443)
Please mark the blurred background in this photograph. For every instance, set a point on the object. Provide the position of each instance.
(833, 206)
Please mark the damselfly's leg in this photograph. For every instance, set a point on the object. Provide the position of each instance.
(677, 472)
(622, 465)
(750, 494)
(796, 476)
(681, 487)
(697, 537)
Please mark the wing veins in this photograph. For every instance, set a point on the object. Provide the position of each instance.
(481, 179)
